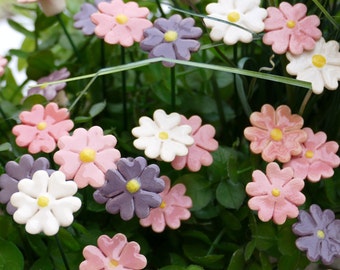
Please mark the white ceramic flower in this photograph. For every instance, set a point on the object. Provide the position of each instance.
(320, 66)
(45, 203)
(247, 14)
(49, 7)
(163, 137)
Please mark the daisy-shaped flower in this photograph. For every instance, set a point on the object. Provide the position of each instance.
(82, 20)
(319, 234)
(3, 64)
(317, 159)
(48, 7)
(133, 188)
(199, 152)
(42, 127)
(45, 203)
(289, 29)
(320, 66)
(173, 38)
(163, 137)
(15, 172)
(86, 156)
(50, 91)
(121, 23)
(113, 253)
(277, 134)
(246, 14)
(276, 194)
(173, 209)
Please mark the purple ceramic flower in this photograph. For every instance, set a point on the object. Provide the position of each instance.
(15, 172)
(319, 233)
(82, 20)
(133, 187)
(50, 91)
(173, 38)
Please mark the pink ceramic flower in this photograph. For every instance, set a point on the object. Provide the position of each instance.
(199, 152)
(86, 156)
(49, 7)
(277, 134)
(42, 127)
(173, 209)
(113, 253)
(276, 194)
(317, 159)
(120, 23)
(289, 29)
(3, 64)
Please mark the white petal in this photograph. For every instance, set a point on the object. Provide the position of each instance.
(166, 121)
(147, 128)
(171, 149)
(44, 221)
(27, 207)
(182, 135)
(64, 208)
(58, 187)
(36, 186)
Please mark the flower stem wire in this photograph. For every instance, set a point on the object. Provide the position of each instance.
(305, 101)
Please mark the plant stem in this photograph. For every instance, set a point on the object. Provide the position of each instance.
(124, 94)
(173, 87)
(217, 239)
(102, 65)
(305, 101)
(62, 252)
(160, 8)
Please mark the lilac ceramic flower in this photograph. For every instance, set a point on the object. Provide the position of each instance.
(50, 91)
(82, 20)
(173, 38)
(319, 233)
(15, 172)
(133, 188)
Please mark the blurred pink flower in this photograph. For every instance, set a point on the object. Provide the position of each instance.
(317, 159)
(42, 127)
(113, 253)
(199, 152)
(289, 29)
(120, 23)
(276, 194)
(49, 7)
(86, 156)
(173, 209)
(277, 134)
(3, 64)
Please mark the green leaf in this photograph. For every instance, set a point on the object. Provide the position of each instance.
(97, 108)
(286, 241)
(37, 244)
(21, 29)
(230, 194)
(82, 119)
(68, 240)
(10, 256)
(42, 263)
(30, 101)
(40, 64)
(237, 260)
(5, 147)
(248, 251)
(194, 267)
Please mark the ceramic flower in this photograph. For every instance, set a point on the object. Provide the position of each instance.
(321, 66)
(277, 134)
(173, 209)
(45, 202)
(246, 14)
(173, 38)
(86, 156)
(163, 137)
(82, 20)
(48, 7)
(50, 91)
(133, 188)
(41, 127)
(3, 64)
(288, 29)
(199, 152)
(317, 159)
(113, 253)
(276, 194)
(319, 234)
(121, 23)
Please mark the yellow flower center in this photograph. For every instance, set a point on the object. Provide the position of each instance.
(276, 192)
(276, 134)
(170, 36)
(121, 19)
(43, 201)
(318, 60)
(320, 234)
(309, 154)
(163, 205)
(42, 125)
(291, 24)
(163, 135)
(113, 263)
(233, 16)
(132, 186)
(87, 155)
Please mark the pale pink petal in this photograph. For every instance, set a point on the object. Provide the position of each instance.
(174, 215)
(130, 257)
(25, 134)
(284, 209)
(259, 138)
(69, 162)
(260, 184)
(61, 128)
(107, 159)
(155, 219)
(89, 174)
(34, 117)
(94, 259)
(42, 142)
(263, 205)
